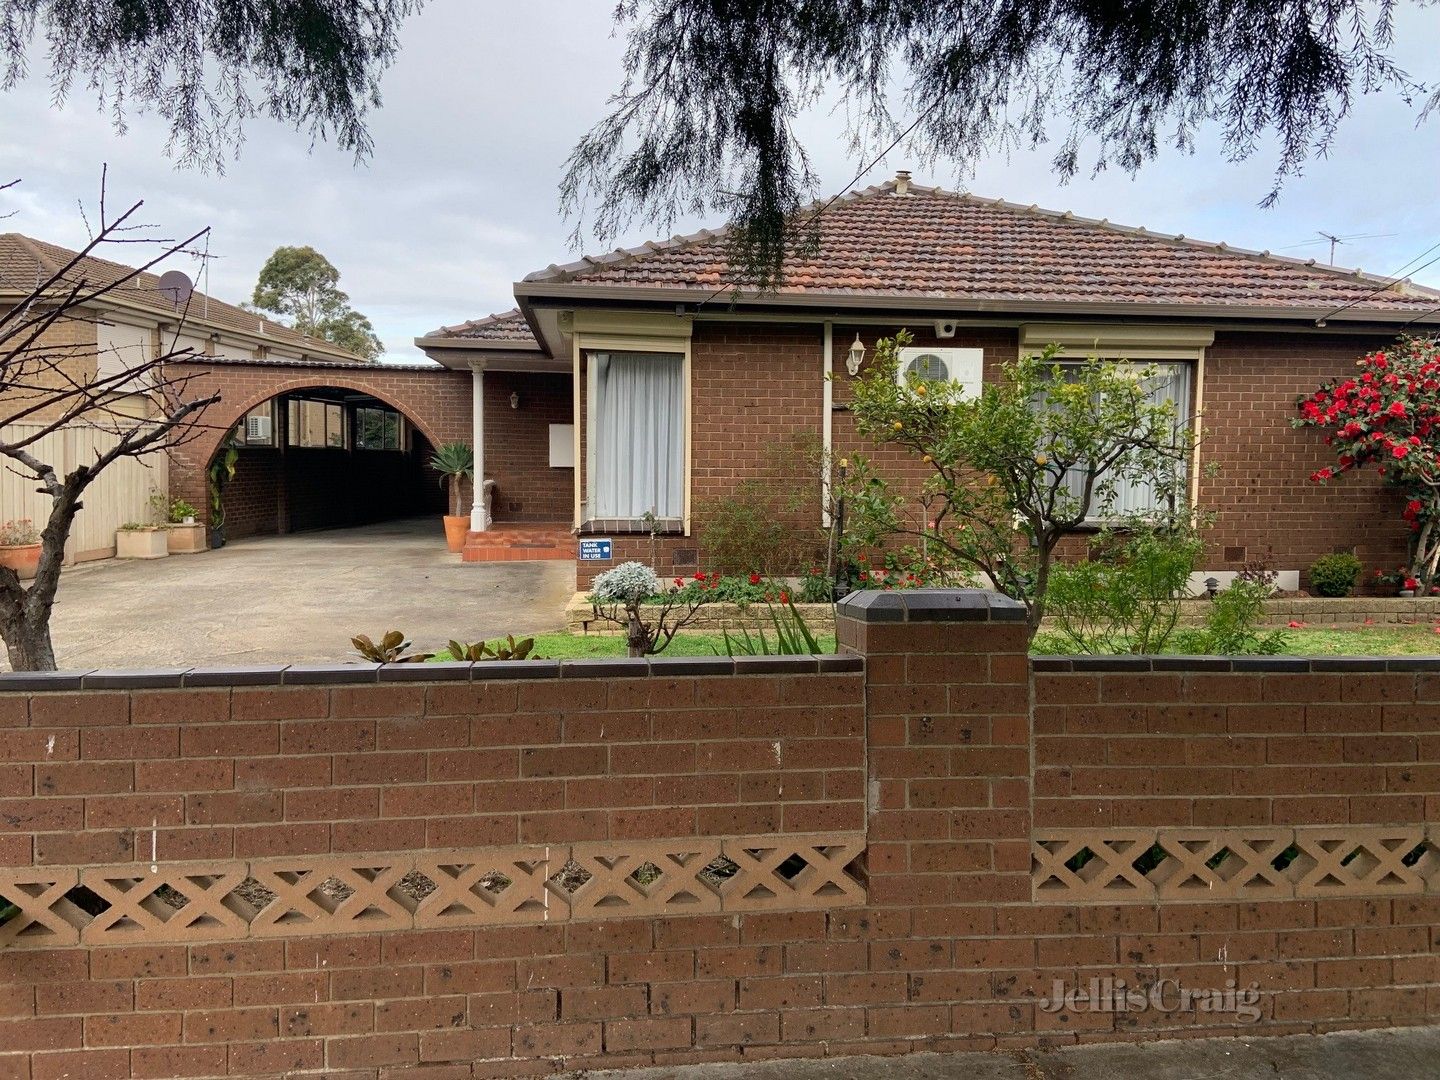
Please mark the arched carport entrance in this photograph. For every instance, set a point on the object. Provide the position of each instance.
(343, 446)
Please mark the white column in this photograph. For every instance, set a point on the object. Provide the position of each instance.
(478, 521)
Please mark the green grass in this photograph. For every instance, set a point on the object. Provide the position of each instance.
(1364, 641)
(1309, 641)
(1356, 641)
(582, 646)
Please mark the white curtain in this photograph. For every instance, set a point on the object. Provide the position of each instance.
(638, 435)
(1171, 382)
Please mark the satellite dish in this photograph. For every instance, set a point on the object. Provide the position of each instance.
(175, 286)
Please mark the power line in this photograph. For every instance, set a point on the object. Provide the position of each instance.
(1394, 278)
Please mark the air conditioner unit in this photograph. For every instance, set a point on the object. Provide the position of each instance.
(257, 429)
(963, 366)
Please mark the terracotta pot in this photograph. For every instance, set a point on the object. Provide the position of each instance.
(22, 558)
(456, 526)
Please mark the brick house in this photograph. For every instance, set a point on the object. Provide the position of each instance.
(324, 437)
(648, 379)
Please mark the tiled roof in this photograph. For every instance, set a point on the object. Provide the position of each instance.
(26, 262)
(938, 244)
(281, 361)
(508, 326)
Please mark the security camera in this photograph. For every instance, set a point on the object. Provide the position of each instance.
(944, 327)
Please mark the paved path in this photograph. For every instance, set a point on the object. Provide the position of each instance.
(1400, 1054)
(298, 599)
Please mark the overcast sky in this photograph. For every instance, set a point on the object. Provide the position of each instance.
(459, 199)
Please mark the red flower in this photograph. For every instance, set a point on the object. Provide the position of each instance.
(679, 583)
(784, 597)
(1397, 410)
(1412, 583)
(1400, 450)
(754, 579)
(1295, 625)
(699, 575)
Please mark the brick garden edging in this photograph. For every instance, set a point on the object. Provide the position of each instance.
(962, 767)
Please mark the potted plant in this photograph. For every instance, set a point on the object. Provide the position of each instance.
(455, 462)
(20, 547)
(184, 534)
(135, 540)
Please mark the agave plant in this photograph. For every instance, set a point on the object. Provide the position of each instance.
(792, 637)
(391, 649)
(455, 462)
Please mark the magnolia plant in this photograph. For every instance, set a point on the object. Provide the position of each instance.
(1387, 417)
(1041, 451)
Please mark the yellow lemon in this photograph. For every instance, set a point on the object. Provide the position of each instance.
(899, 426)
(927, 459)
(1040, 459)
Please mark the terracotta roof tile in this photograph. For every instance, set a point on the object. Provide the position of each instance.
(946, 245)
(508, 326)
(25, 262)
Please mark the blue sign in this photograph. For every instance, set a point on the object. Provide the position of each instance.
(595, 551)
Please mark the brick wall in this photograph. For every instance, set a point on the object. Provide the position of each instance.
(946, 877)
(757, 387)
(517, 447)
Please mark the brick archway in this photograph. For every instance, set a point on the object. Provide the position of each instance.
(435, 400)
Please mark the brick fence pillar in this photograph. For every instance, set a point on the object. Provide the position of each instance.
(948, 692)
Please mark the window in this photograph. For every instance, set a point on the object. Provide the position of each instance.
(257, 427)
(1171, 382)
(315, 424)
(636, 460)
(378, 429)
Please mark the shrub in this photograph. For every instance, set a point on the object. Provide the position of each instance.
(1127, 597)
(750, 530)
(1231, 625)
(792, 637)
(630, 596)
(1334, 575)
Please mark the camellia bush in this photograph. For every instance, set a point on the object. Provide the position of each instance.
(1387, 417)
(1041, 452)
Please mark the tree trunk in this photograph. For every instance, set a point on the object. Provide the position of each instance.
(635, 636)
(27, 644)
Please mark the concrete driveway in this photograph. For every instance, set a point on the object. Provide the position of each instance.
(298, 599)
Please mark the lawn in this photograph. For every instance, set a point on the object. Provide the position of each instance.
(1364, 641)
(1307, 641)
(579, 646)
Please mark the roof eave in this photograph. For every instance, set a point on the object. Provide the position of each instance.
(111, 300)
(528, 291)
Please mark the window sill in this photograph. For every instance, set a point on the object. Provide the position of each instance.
(630, 527)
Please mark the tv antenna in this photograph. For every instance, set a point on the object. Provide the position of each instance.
(1334, 240)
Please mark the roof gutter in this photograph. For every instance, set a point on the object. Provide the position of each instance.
(528, 291)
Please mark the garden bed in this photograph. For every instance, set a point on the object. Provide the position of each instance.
(712, 618)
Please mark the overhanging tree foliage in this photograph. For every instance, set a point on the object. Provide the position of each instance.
(302, 287)
(208, 66)
(705, 119)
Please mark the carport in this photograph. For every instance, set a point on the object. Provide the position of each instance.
(320, 444)
(326, 457)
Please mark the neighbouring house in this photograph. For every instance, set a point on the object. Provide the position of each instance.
(650, 380)
(324, 438)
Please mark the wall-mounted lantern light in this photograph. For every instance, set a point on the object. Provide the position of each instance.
(515, 400)
(856, 357)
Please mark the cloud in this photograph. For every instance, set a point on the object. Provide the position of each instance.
(485, 102)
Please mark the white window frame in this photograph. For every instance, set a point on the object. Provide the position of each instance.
(607, 331)
(589, 513)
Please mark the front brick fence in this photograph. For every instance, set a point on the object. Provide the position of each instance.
(504, 869)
